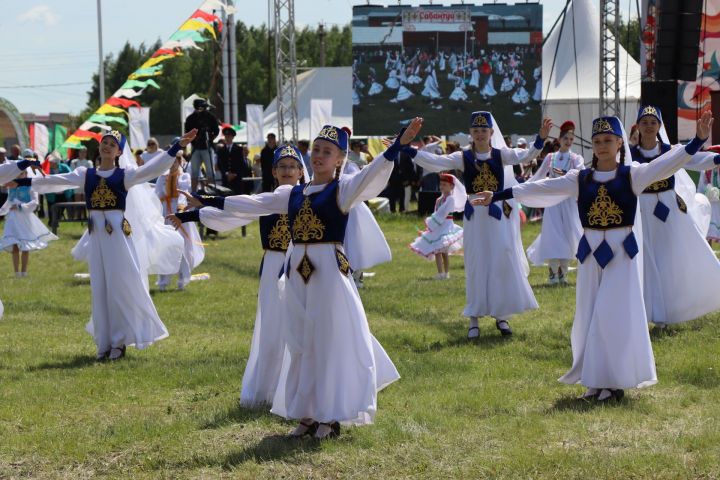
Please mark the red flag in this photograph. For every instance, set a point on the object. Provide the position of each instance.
(87, 133)
(208, 17)
(122, 102)
(164, 51)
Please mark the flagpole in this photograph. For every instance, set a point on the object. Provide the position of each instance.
(101, 73)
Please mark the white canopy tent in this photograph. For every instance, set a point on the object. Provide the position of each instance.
(333, 83)
(571, 73)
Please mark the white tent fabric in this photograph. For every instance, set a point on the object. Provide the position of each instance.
(571, 87)
(334, 83)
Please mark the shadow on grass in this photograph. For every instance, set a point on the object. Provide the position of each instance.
(547, 286)
(78, 361)
(269, 449)
(575, 404)
(236, 414)
(457, 337)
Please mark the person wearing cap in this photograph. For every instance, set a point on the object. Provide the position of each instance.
(355, 155)
(441, 236)
(123, 312)
(152, 148)
(610, 338)
(680, 269)
(267, 347)
(496, 269)
(167, 188)
(232, 163)
(23, 232)
(208, 128)
(334, 367)
(561, 229)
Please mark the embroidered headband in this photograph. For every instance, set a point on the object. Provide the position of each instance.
(117, 136)
(609, 125)
(649, 111)
(481, 120)
(287, 151)
(336, 136)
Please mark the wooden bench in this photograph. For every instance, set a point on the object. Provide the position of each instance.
(57, 208)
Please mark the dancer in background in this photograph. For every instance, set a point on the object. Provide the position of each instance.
(610, 339)
(123, 312)
(441, 236)
(23, 232)
(561, 229)
(680, 270)
(496, 269)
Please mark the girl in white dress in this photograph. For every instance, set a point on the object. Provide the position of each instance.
(392, 82)
(167, 188)
(375, 87)
(610, 339)
(680, 270)
(561, 228)
(333, 366)
(23, 231)
(267, 346)
(520, 96)
(442, 236)
(123, 313)
(496, 269)
(431, 89)
(403, 95)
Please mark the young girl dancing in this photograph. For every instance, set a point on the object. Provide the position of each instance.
(561, 229)
(123, 312)
(496, 269)
(333, 367)
(680, 270)
(441, 236)
(23, 232)
(610, 339)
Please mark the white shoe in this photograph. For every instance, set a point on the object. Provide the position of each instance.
(439, 276)
(473, 332)
(447, 275)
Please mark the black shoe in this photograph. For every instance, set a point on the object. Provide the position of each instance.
(504, 327)
(473, 337)
(334, 431)
(615, 396)
(311, 428)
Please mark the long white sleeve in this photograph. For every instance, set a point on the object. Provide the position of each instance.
(438, 163)
(701, 161)
(152, 169)
(643, 174)
(9, 171)
(224, 221)
(544, 169)
(260, 204)
(515, 156)
(547, 192)
(60, 182)
(160, 187)
(33, 203)
(365, 184)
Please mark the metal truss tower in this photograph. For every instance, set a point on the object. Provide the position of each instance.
(609, 57)
(285, 69)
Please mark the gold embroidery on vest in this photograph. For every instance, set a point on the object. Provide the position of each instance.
(658, 186)
(485, 180)
(279, 236)
(102, 196)
(342, 261)
(305, 268)
(307, 225)
(603, 211)
(126, 228)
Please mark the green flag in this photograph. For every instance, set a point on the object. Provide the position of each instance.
(57, 140)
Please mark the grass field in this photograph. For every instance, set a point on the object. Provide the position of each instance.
(489, 409)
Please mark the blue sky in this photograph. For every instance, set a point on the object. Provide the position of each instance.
(55, 41)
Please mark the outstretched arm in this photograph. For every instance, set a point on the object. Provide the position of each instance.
(158, 164)
(540, 194)
(514, 156)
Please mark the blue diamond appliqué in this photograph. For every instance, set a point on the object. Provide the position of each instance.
(661, 211)
(583, 249)
(630, 245)
(469, 210)
(603, 254)
(494, 211)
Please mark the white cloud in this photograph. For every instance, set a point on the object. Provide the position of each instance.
(40, 14)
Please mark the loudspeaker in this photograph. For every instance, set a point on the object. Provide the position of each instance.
(664, 96)
(678, 40)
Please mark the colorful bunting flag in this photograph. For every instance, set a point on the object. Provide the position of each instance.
(110, 109)
(121, 102)
(140, 83)
(209, 17)
(107, 118)
(196, 25)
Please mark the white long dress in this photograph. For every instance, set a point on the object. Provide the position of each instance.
(333, 367)
(496, 269)
(123, 312)
(402, 95)
(680, 270)
(610, 339)
(475, 78)
(507, 85)
(521, 95)
(458, 94)
(441, 234)
(561, 229)
(22, 227)
(488, 89)
(375, 88)
(709, 185)
(194, 252)
(392, 82)
(431, 89)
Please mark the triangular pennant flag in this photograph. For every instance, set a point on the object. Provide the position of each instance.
(154, 61)
(183, 34)
(146, 72)
(197, 25)
(110, 109)
(87, 134)
(121, 102)
(127, 93)
(165, 51)
(208, 17)
(185, 43)
(140, 83)
(107, 118)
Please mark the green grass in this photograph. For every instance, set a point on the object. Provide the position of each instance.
(489, 409)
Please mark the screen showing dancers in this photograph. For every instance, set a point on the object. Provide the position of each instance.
(446, 62)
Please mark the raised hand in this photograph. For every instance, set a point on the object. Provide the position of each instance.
(411, 131)
(545, 128)
(174, 220)
(188, 137)
(36, 168)
(192, 201)
(704, 126)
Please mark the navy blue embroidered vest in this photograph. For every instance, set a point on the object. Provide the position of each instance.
(105, 193)
(316, 218)
(275, 232)
(660, 185)
(607, 205)
(483, 175)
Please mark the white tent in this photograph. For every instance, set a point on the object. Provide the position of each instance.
(333, 83)
(571, 87)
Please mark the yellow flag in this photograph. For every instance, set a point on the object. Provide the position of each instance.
(155, 60)
(196, 25)
(110, 109)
